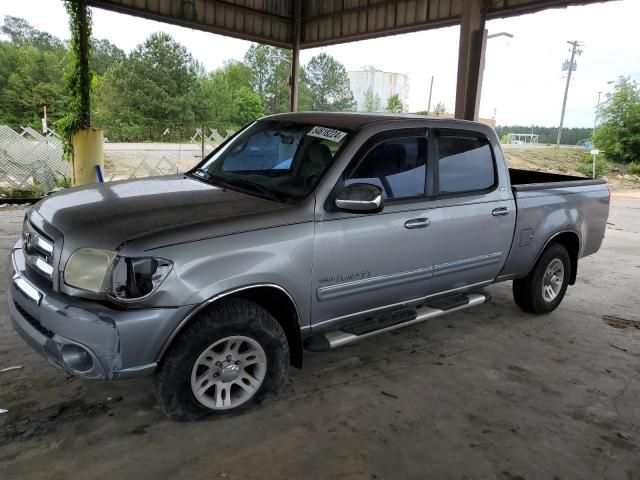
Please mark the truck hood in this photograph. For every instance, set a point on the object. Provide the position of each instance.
(109, 214)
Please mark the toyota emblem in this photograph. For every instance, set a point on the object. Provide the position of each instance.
(27, 243)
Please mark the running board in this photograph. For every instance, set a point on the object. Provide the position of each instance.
(359, 329)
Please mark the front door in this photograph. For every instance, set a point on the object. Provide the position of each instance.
(370, 260)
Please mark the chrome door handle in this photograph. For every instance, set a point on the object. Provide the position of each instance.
(500, 211)
(417, 223)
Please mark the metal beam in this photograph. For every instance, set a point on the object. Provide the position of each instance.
(323, 22)
(470, 58)
(295, 53)
(84, 41)
(156, 11)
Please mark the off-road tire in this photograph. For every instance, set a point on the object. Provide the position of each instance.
(226, 318)
(527, 291)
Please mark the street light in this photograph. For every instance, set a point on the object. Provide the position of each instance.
(595, 120)
(500, 34)
(482, 62)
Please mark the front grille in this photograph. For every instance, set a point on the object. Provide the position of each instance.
(38, 250)
(33, 321)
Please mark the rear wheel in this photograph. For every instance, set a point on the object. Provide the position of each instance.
(544, 288)
(234, 355)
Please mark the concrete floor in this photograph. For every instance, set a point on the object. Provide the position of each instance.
(487, 393)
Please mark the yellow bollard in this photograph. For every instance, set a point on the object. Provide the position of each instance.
(87, 153)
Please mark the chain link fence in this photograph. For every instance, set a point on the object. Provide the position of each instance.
(160, 151)
(32, 161)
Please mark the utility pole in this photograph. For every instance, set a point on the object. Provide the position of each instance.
(570, 66)
(430, 92)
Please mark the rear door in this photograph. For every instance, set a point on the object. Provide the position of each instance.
(475, 215)
(364, 261)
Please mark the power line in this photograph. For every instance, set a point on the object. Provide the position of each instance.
(569, 66)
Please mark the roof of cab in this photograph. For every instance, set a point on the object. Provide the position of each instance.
(355, 120)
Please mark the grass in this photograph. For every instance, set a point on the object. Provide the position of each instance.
(573, 161)
(19, 193)
(634, 168)
(556, 160)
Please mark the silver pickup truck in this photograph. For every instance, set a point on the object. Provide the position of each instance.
(308, 230)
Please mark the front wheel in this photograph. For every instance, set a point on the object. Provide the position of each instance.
(544, 288)
(234, 355)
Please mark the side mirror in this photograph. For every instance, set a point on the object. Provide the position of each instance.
(360, 197)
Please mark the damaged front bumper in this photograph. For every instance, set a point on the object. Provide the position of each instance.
(85, 338)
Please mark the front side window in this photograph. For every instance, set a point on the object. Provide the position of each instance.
(397, 166)
(464, 165)
(282, 161)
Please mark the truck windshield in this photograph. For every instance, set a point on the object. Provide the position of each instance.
(282, 161)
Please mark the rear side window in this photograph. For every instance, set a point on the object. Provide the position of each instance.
(464, 165)
(397, 166)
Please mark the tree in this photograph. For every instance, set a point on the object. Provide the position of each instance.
(371, 101)
(21, 33)
(31, 74)
(328, 84)
(570, 136)
(225, 97)
(394, 104)
(270, 69)
(104, 54)
(248, 106)
(439, 108)
(158, 84)
(619, 133)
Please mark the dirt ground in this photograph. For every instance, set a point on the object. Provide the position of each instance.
(486, 393)
(565, 160)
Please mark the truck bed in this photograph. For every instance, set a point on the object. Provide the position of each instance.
(548, 204)
(528, 180)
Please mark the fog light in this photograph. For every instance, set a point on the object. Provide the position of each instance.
(76, 358)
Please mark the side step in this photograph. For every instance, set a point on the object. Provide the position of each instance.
(364, 328)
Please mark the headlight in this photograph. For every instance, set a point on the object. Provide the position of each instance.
(89, 269)
(103, 271)
(134, 278)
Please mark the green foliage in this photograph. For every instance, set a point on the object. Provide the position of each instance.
(158, 82)
(104, 55)
(439, 108)
(156, 92)
(63, 182)
(585, 166)
(22, 34)
(570, 136)
(270, 69)
(329, 85)
(78, 74)
(248, 106)
(619, 133)
(31, 75)
(394, 104)
(371, 101)
(634, 168)
(30, 79)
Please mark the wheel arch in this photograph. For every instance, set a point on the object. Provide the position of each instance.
(274, 298)
(570, 240)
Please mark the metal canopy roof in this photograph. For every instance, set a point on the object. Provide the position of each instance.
(322, 22)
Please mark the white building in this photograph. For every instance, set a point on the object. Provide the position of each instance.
(382, 84)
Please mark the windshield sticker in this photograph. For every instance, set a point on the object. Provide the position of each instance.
(327, 134)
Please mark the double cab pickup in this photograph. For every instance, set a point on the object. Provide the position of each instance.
(302, 231)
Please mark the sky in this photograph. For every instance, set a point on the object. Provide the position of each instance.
(523, 80)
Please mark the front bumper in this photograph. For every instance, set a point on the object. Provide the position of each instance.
(85, 338)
